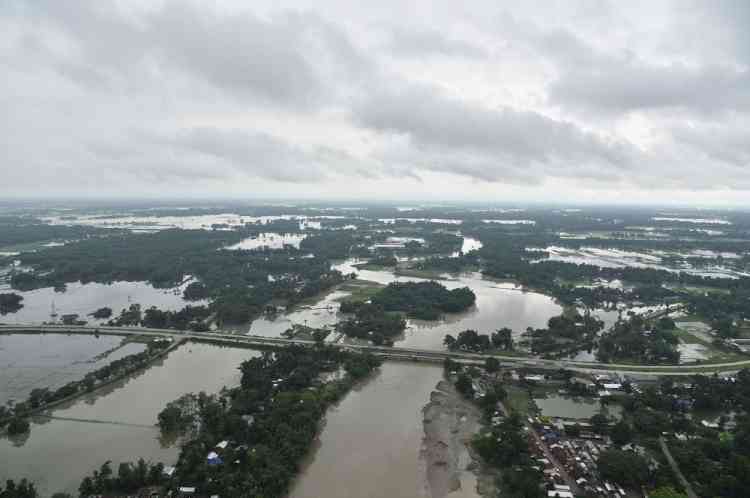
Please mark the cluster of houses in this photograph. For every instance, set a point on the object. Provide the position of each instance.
(577, 458)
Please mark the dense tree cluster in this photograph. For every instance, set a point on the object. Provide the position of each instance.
(565, 334)
(18, 425)
(189, 317)
(177, 415)
(471, 340)
(21, 489)
(130, 478)
(448, 264)
(10, 303)
(195, 291)
(424, 300)
(638, 340)
(715, 460)
(330, 245)
(506, 447)
(101, 313)
(717, 467)
(626, 468)
(383, 260)
(370, 321)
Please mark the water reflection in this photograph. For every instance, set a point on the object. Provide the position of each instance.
(82, 299)
(29, 361)
(269, 240)
(556, 405)
(497, 305)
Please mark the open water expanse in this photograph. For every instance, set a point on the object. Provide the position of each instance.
(117, 422)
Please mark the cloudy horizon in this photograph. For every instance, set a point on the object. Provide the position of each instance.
(579, 102)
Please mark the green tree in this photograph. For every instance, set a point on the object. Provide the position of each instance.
(492, 365)
(624, 467)
(464, 385)
(599, 423)
(621, 433)
(503, 338)
(22, 489)
(18, 425)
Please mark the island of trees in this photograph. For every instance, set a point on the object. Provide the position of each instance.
(423, 300)
(10, 303)
(371, 322)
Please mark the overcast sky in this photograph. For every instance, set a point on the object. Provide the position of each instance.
(572, 101)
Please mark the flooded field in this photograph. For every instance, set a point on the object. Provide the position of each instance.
(30, 361)
(470, 244)
(82, 299)
(511, 222)
(269, 240)
(562, 406)
(378, 429)
(198, 222)
(116, 423)
(497, 305)
(617, 258)
(318, 315)
(697, 221)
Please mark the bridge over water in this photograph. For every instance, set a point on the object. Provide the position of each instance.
(387, 352)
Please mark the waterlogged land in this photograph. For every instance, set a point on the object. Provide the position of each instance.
(117, 422)
(83, 299)
(570, 407)
(30, 361)
(497, 305)
(656, 260)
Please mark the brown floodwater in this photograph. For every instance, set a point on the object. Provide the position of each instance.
(116, 423)
(370, 445)
(497, 305)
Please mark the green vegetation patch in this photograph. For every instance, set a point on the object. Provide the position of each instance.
(424, 300)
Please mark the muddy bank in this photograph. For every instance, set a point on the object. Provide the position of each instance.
(449, 424)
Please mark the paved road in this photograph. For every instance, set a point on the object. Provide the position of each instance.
(397, 353)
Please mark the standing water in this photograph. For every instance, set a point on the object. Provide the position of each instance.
(116, 423)
(83, 299)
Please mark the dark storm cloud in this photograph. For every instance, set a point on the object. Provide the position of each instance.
(491, 144)
(652, 95)
(287, 59)
(603, 79)
(621, 84)
(729, 145)
(207, 152)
